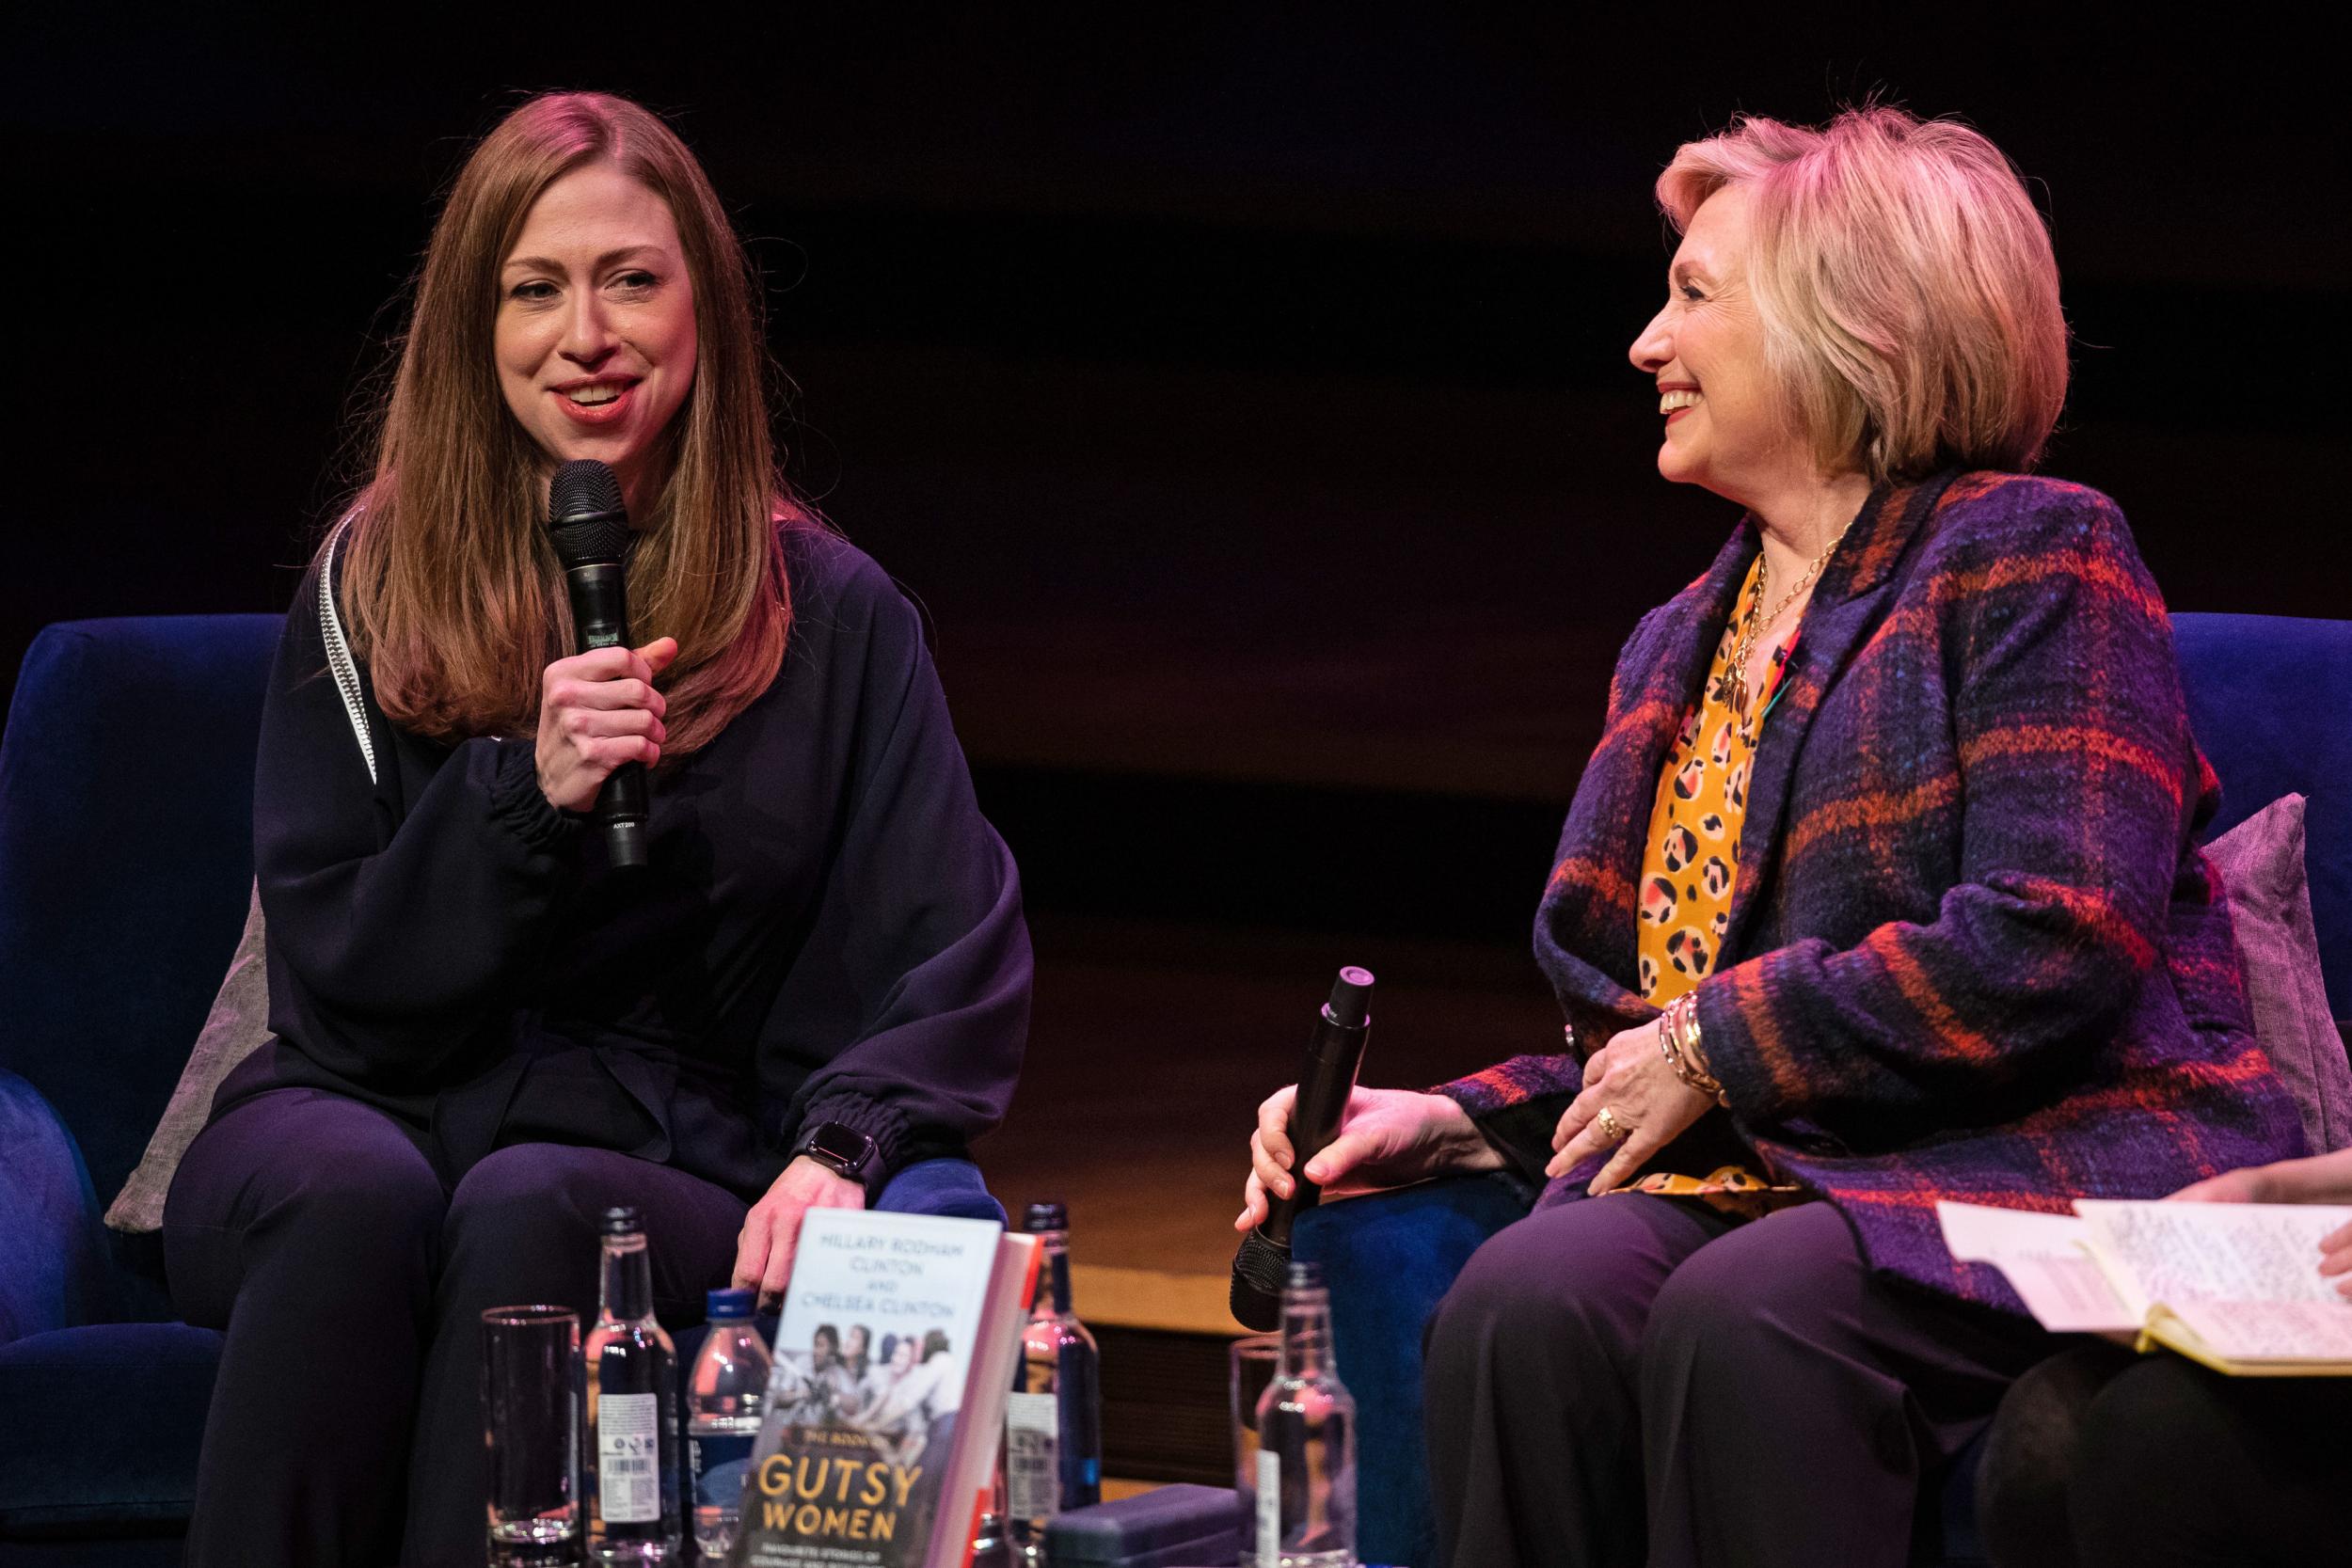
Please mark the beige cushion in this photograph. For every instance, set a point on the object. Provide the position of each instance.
(239, 1022)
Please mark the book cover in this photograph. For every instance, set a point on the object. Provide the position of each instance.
(884, 1323)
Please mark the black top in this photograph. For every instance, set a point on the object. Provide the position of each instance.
(828, 929)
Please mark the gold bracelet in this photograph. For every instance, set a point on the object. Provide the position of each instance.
(1667, 1046)
(1696, 1051)
(1678, 1040)
(1688, 1021)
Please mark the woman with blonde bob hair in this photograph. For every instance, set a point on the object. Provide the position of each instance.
(485, 1032)
(1881, 887)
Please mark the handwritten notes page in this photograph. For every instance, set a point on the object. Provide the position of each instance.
(2046, 1259)
(2184, 1252)
(2272, 1330)
(2243, 1276)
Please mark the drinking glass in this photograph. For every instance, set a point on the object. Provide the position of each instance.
(1255, 1359)
(531, 1424)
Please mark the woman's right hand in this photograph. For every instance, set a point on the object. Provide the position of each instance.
(2315, 1179)
(597, 711)
(1387, 1138)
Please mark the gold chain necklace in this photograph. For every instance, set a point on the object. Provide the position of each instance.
(1753, 627)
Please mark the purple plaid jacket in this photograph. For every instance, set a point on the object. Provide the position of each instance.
(1974, 951)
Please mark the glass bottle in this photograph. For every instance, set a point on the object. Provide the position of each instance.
(1306, 1495)
(725, 1394)
(631, 1379)
(1053, 1419)
(989, 1549)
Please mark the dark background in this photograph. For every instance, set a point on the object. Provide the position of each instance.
(1243, 393)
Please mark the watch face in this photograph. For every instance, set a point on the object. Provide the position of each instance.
(844, 1148)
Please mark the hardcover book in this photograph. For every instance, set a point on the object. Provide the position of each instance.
(892, 1358)
(2235, 1285)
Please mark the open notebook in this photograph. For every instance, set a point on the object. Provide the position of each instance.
(2235, 1285)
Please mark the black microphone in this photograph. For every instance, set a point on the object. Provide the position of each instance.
(590, 528)
(1334, 1052)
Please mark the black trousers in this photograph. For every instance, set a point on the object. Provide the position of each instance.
(346, 1424)
(1635, 1379)
(2102, 1458)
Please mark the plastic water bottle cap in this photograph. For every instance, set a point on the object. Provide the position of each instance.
(727, 1304)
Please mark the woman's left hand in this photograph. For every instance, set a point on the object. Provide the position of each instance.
(1630, 1078)
(763, 1253)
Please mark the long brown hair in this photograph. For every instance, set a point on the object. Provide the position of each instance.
(449, 581)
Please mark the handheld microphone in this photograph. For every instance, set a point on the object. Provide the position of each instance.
(590, 529)
(1334, 1052)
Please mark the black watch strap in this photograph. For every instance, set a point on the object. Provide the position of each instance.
(840, 1147)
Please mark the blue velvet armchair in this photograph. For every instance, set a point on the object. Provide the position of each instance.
(126, 850)
(1390, 1257)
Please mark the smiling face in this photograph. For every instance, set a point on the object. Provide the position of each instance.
(594, 339)
(1725, 426)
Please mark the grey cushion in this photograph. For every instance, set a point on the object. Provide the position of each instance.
(238, 1023)
(2263, 873)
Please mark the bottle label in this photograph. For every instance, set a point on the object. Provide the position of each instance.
(720, 1464)
(628, 1452)
(1032, 1455)
(1269, 1508)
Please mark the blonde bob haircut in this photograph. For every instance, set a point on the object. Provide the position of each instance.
(1907, 288)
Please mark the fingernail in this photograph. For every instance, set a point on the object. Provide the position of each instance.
(1282, 1185)
(1315, 1173)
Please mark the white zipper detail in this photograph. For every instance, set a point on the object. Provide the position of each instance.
(339, 659)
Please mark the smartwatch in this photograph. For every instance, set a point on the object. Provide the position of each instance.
(843, 1150)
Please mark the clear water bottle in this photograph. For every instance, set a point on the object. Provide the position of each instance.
(1054, 1421)
(631, 1371)
(725, 1394)
(1306, 1494)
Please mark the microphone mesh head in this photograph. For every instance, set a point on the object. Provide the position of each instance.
(585, 517)
(1260, 1269)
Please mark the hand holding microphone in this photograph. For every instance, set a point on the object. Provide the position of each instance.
(599, 716)
(599, 710)
(1335, 1051)
(1387, 1138)
(1327, 1134)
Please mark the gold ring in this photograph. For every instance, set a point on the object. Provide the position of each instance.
(1610, 1128)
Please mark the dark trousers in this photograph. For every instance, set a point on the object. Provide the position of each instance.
(1635, 1379)
(2102, 1458)
(345, 1427)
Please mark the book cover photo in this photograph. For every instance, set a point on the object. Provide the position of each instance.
(883, 1323)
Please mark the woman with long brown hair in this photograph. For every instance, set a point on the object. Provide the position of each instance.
(484, 1033)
